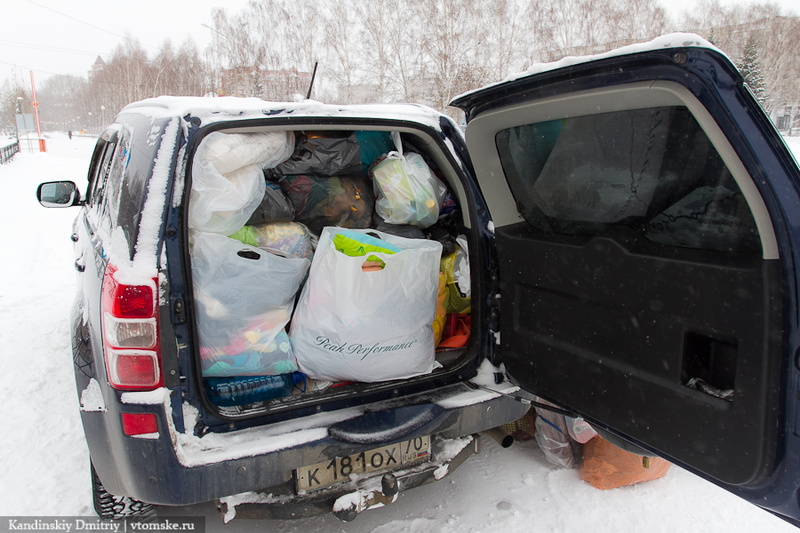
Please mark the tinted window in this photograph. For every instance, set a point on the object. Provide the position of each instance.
(115, 179)
(100, 177)
(140, 144)
(651, 170)
(121, 174)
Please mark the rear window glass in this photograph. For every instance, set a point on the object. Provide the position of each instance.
(652, 170)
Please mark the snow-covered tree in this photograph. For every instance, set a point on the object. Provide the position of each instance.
(750, 67)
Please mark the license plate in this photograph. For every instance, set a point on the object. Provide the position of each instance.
(341, 468)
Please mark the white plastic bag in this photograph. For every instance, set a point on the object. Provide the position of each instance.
(227, 178)
(230, 151)
(580, 430)
(352, 325)
(461, 267)
(407, 191)
(244, 298)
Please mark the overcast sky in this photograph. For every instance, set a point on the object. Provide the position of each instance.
(66, 36)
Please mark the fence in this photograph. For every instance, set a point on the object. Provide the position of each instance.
(7, 151)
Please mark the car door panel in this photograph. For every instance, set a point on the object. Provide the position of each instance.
(645, 220)
(639, 328)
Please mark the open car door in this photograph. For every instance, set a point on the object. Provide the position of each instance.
(647, 221)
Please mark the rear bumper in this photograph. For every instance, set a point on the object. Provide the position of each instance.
(179, 468)
(359, 494)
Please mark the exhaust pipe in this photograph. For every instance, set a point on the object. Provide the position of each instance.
(500, 436)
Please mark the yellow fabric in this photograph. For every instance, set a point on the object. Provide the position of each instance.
(441, 312)
(455, 302)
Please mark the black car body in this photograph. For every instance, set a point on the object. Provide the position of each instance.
(632, 228)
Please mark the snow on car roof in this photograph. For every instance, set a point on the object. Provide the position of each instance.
(227, 108)
(672, 40)
(219, 110)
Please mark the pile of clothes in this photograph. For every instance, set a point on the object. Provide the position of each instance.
(331, 255)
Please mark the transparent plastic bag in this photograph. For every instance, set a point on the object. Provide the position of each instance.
(553, 438)
(407, 190)
(457, 301)
(244, 298)
(227, 178)
(580, 430)
(287, 237)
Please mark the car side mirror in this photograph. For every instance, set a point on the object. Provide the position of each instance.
(58, 194)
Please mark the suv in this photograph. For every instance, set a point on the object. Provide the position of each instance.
(637, 213)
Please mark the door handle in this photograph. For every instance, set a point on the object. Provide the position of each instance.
(79, 267)
(74, 237)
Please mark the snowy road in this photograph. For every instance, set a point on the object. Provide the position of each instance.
(44, 463)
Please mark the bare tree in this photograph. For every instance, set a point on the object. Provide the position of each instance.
(342, 44)
(375, 19)
(453, 37)
(61, 101)
(191, 73)
(779, 53)
(635, 20)
(9, 92)
(425, 51)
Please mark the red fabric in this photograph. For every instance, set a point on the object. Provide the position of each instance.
(456, 331)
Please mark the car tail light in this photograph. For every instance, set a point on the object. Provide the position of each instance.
(139, 423)
(130, 333)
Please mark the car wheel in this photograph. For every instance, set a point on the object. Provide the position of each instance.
(111, 507)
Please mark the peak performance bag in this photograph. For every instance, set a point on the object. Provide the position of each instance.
(357, 323)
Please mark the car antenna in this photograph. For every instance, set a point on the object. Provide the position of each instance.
(311, 85)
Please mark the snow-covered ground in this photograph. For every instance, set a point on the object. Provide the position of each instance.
(44, 464)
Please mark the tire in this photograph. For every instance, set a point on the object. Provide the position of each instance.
(110, 507)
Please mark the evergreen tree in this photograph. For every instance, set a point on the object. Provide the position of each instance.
(750, 67)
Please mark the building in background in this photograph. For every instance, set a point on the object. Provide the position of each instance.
(97, 67)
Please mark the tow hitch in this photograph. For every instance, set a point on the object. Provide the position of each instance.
(347, 507)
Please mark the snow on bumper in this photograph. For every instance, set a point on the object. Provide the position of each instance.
(184, 468)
